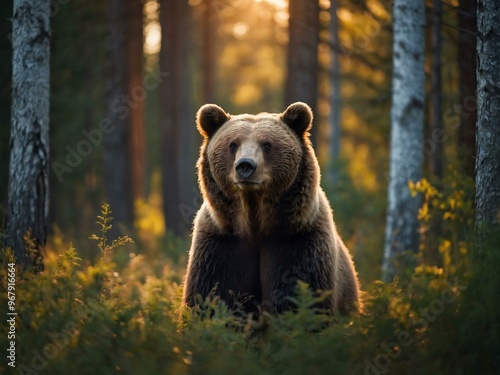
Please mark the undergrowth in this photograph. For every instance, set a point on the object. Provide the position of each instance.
(126, 317)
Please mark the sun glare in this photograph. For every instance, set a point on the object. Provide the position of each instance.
(240, 29)
(152, 28)
(278, 4)
(152, 41)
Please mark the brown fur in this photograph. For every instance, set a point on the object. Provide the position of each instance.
(257, 236)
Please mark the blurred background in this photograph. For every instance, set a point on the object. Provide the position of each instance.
(143, 68)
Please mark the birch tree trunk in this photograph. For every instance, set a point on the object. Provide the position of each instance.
(28, 192)
(488, 114)
(436, 123)
(407, 120)
(302, 75)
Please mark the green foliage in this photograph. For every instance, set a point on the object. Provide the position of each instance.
(127, 317)
(360, 218)
(33, 255)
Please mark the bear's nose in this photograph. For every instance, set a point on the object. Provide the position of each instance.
(245, 167)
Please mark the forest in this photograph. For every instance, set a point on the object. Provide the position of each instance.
(99, 185)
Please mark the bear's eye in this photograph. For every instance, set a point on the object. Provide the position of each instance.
(266, 146)
(233, 146)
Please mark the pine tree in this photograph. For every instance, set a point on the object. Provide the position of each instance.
(303, 66)
(177, 127)
(335, 107)
(118, 106)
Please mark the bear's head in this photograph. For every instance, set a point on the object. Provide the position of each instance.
(247, 156)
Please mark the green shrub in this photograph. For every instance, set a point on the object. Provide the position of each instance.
(126, 317)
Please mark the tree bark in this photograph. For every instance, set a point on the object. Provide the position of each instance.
(6, 8)
(407, 119)
(137, 137)
(335, 108)
(467, 83)
(302, 75)
(177, 126)
(28, 192)
(436, 123)
(118, 107)
(488, 115)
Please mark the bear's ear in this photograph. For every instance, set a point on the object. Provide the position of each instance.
(298, 116)
(209, 118)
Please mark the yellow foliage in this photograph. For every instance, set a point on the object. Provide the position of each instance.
(411, 187)
(429, 270)
(448, 216)
(149, 217)
(149, 221)
(445, 246)
(423, 213)
(452, 210)
(423, 186)
(399, 308)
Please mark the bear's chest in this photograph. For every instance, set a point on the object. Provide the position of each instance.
(254, 218)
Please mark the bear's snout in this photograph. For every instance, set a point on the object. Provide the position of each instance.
(245, 167)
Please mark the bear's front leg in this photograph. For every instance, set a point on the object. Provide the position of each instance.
(224, 262)
(287, 259)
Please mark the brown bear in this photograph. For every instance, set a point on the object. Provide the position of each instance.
(265, 222)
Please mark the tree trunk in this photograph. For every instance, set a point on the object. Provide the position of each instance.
(208, 46)
(436, 123)
(335, 108)
(6, 7)
(303, 67)
(177, 115)
(118, 107)
(488, 115)
(28, 194)
(137, 137)
(187, 155)
(467, 84)
(407, 119)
